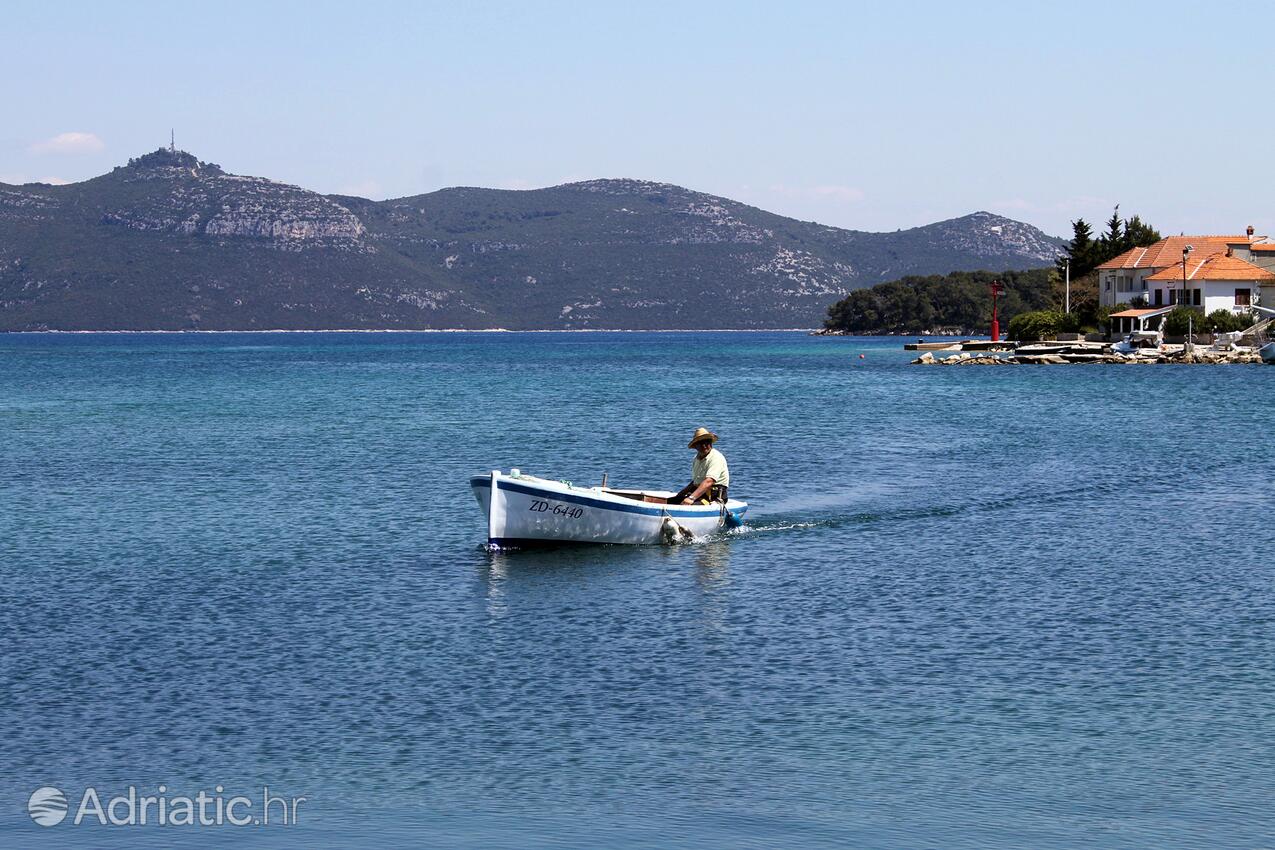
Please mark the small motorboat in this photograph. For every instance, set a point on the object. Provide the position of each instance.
(1226, 341)
(1042, 348)
(1268, 353)
(523, 510)
(1139, 340)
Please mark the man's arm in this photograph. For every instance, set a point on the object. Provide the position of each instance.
(704, 486)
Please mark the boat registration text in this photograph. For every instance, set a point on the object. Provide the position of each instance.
(540, 506)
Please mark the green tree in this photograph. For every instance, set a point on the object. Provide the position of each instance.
(1121, 235)
(1081, 250)
(1139, 234)
(1113, 241)
(915, 304)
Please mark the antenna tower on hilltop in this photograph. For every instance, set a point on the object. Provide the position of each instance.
(172, 141)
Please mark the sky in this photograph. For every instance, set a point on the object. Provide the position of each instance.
(870, 116)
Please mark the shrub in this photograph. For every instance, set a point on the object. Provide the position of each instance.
(1224, 321)
(1181, 318)
(1040, 324)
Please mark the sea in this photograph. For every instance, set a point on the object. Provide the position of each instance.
(971, 607)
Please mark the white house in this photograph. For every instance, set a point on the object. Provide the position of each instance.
(1212, 282)
(1123, 279)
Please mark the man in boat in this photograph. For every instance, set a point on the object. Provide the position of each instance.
(709, 474)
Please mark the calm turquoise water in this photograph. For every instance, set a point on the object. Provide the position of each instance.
(973, 608)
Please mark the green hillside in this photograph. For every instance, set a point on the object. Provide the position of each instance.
(169, 242)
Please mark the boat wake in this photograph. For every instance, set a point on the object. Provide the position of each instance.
(803, 521)
(762, 528)
(803, 516)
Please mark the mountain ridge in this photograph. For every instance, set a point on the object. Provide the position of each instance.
(168, 242)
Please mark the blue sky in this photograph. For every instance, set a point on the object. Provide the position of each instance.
(870, 116)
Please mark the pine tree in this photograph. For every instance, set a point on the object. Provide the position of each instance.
(1081, 250)
(1139, 234)
(1113, 239)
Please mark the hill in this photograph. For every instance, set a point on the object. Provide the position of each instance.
(170, 242)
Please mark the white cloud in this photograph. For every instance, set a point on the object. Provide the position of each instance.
(69, 143)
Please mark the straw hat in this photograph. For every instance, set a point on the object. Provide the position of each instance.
(701, 434)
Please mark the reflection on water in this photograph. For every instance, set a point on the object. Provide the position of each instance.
(495, 573)
(712, 561)
(500, 571)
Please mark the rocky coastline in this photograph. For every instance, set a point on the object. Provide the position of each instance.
(1035, 356)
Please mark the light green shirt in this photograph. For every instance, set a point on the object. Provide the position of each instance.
(713, 466)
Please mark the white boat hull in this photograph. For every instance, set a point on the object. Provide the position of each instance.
(536, 511)
(1268, 353)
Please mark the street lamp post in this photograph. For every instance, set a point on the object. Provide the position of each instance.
(1067, 303)
(1185, 251)
(1190, 325)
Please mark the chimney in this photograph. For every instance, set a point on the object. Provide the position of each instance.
(1230, 252)
(1250, 231)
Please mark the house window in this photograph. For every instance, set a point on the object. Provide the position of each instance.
(1195, 297)
(1108, 284)
(1159, 297)
(1242, 297)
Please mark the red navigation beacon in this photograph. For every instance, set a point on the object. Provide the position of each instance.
(998, 289)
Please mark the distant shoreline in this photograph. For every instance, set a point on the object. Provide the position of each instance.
(440, 331)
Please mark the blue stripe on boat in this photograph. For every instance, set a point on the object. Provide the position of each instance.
(591, 502)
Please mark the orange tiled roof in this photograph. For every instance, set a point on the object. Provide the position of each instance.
(1264, 248)
(1214, 267)
(1168, 251)
(1139, 312)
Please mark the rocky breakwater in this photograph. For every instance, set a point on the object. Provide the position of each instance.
(1177, 354)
